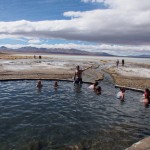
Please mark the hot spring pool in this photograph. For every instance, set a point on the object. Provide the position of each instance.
(70, 115)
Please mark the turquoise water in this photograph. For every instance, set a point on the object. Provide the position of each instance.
(69, 115)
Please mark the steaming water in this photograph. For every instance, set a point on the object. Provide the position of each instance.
(69, 115)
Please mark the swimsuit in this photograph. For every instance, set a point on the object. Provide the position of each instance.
(78, 81)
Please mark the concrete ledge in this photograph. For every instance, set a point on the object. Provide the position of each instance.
(129, 88)
(65, 80)
(141, 145)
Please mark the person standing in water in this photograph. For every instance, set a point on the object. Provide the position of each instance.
(78, 74)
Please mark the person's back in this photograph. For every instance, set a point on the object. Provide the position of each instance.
(147, 95)
(55, 84)
(121, 94)
(98, 90)
(93, 86)
(39, 84)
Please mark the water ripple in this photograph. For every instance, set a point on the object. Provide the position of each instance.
(69, 114)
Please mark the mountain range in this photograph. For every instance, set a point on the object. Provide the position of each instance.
(29, 49)
(35, 50)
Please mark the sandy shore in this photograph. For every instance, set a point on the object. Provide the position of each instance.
(130, 80)
(14, 67)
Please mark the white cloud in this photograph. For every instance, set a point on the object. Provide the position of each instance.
(93, 1)
(34, 41)
(73, 14)
(124, 22)
(124, 4)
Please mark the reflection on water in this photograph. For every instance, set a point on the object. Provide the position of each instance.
(78, 88)
(71, 115)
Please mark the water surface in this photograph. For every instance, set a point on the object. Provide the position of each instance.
(69, 115)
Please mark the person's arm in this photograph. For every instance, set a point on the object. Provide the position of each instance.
(74, 76)
(87, 68)
(122, 97)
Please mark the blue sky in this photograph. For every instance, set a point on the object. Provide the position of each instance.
(94, 25)
(37, 10)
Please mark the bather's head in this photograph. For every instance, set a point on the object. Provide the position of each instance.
(55, 84)
(95, 83)
(122, 89)
(77, 67)
(147, 90)
(39, 82)
(98, 90)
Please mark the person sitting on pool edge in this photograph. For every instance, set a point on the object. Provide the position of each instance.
(78, 74)
(39, 84)
(121, 94)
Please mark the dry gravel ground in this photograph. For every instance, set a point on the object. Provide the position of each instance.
(129, 81)
(89, 75)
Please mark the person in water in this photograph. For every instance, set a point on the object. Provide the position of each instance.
(39, 84)
(93, 86)
(55, 84)
(98, 90)
(146, 95)
(78, 74)
(121, 94)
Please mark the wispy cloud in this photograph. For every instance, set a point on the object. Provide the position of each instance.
(34, 41)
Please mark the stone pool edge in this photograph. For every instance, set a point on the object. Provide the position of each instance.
(143, 144)
(66, 80)
(119, 83)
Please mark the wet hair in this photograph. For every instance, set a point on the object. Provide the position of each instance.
(122, 89)
(39, 84)
(147, 91)
(98, 88)
(77, 67)
(55, 83)
(96, 83)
